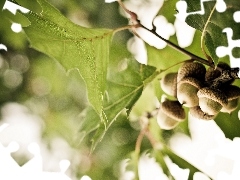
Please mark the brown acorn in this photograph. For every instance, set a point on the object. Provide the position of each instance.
(187, 91)
(170, 114)
(199, 114)
(213, 73)
(169, 84)
(233, 93)
(192, 69)
(211, 100)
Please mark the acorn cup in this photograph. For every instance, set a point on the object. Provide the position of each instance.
(212, 73)
(187, 90)
(211, 100)
(191, 69)
(199, 114)
(233, 93)
(169, 84)
(170, 114)
(215, 74)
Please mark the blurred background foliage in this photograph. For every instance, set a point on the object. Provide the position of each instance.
(40, 83)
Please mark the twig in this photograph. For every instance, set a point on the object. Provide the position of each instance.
(139, 140)
(191, 55)
(134, 18)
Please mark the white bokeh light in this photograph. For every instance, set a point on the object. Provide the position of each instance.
(221, 6)
(110, 1)
(85, 177)
(16, 27)
(12, 7)
(222, 51)
(21, 132)
(184, 32)
(4, 47)
(208, 149)
(148, 168)
(137, 47)
(236, 16)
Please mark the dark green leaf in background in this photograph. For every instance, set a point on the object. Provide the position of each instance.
(229, 124)
(236, 52)
(214, 37)
(2, 4)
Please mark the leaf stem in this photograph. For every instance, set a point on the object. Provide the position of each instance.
(128, 27)
(203, 35)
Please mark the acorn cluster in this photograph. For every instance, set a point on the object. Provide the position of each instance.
(204, 92)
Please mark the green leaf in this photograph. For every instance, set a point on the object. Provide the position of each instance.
(183, 126)
(17, 18)
(124, 88)
(2, 4)
(181, 162)
(214, 23)
(236, 52)
(89, 123)
(164, 58)
(74, 47)
(229, 124)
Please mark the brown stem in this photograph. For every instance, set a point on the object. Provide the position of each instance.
(155, 144)
(191, 55)
(139, 140)
(126, 27)
(135, 19)
(133, 15)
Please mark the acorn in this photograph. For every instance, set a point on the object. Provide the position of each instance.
(212, 73)
(192, 69)
(170, 114)
(199, 114)
(211, 100)
(169, 84)
(233, 93)
(187, 91)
